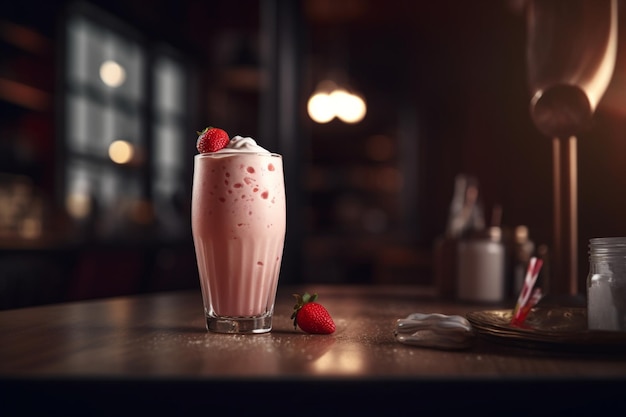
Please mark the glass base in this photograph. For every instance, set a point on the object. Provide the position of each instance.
(239, 325)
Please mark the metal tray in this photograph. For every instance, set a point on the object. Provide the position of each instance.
(547, 328)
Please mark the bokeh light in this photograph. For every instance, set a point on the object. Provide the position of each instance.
(330, 101)
(112, 73)
(121, 152)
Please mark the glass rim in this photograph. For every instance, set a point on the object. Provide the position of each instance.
(232, 153)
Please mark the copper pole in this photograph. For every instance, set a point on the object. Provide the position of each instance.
(564, 280)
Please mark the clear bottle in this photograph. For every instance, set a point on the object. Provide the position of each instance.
(606, 284)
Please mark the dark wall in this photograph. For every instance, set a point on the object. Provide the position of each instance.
(460, 66)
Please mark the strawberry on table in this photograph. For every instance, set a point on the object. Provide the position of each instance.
(211, 139)
(311, 316)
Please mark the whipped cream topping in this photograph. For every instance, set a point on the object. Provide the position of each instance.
(240, 144)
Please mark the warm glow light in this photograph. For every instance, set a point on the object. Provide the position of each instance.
(121, 152)
(321, 108)
(341, 99)
(78, 205)
(326, 104)
(349, 107)
(112, 74)
(340, 363)
(31, 228)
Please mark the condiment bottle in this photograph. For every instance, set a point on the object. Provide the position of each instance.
(481, 267)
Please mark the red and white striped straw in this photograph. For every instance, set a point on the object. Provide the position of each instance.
(523, 306)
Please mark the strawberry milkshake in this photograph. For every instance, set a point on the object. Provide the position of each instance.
(238, 223)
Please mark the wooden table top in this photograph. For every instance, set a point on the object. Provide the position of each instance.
(159, 339)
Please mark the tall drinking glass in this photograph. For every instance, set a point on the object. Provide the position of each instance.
(238, 217)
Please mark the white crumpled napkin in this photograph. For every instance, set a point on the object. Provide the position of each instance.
(434, 331)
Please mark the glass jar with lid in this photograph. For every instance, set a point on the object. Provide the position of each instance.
(606, 284)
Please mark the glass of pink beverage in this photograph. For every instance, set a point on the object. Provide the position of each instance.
(238, 219)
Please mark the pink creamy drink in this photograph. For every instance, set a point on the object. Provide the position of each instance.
(238, 224)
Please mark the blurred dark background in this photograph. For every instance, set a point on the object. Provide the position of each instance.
(446, 92)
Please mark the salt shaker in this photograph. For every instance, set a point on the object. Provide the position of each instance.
(606, 284)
